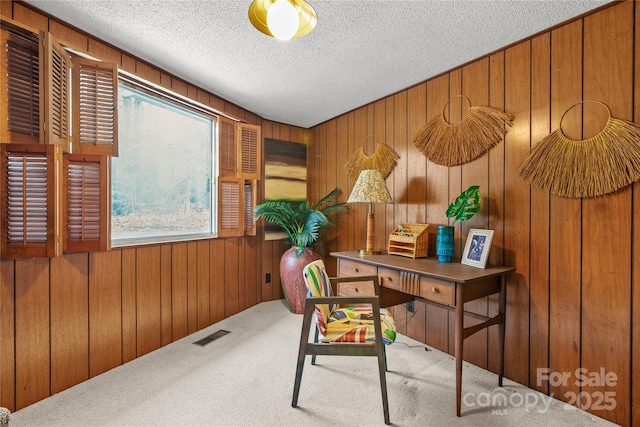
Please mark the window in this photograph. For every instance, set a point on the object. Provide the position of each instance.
(68, 185)
(162, 179)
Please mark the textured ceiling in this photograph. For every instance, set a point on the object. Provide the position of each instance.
(360, 51)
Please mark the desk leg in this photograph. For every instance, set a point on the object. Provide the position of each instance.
(502, 309)
(458, 345)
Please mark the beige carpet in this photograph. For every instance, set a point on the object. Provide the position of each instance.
(246, 379)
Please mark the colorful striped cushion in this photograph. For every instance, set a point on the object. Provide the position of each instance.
(355, 324)
(350, 324)
(319, 285)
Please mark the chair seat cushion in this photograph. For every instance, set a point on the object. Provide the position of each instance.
(355, 324)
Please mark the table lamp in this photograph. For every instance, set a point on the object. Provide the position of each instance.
(370, 188)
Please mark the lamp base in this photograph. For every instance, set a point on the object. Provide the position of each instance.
(370, 251)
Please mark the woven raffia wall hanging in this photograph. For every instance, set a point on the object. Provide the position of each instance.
(383, 159)
(448, 144)
(586, 168)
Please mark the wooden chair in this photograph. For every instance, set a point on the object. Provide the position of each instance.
(349, 331)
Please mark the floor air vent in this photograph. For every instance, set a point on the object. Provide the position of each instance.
(214, 336)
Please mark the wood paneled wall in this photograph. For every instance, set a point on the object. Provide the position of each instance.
(574, 300)
(65, 320)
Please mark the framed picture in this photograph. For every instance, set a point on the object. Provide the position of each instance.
(476, 250)
(285, 171)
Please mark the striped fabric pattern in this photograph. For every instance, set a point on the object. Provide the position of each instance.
(319, 285)
(349, 324)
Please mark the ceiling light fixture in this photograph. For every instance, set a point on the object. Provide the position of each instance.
(283, 19)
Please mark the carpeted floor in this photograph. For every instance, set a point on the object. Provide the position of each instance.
(246, 378)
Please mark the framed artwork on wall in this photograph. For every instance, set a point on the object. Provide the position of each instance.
(476, 250)
(285, 172)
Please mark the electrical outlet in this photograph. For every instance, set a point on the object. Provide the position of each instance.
(410, 308)
(267, 277)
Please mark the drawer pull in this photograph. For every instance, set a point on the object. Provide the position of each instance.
(434, 290)
(355, 270)
(389, 278)
(356, 289)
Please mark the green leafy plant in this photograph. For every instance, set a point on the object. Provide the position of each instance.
(302, 225)
(466, 205)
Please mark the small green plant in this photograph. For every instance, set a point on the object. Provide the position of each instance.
(301, 225)
(466, 205)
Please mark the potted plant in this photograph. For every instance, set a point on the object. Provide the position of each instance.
(302, 225)
(463, 208)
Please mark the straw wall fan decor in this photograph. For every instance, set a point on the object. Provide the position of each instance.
(449, 144)
(383, 159)
(591, 167)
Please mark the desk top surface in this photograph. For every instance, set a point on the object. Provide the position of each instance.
(451, 271)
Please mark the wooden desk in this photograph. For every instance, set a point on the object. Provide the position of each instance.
(448, 285)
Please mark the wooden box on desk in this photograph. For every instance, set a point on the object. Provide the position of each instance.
(410, 240)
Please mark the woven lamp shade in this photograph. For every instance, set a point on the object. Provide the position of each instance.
(370, 188)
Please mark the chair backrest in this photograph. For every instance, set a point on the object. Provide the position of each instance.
(319, 285)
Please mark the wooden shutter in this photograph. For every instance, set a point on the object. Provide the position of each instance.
(95, 89)
(56, 92)
(20, 88)
(230, 215)
(87, 203)
(227, 147)
(249, 198)
(29, 202)
(250, 149)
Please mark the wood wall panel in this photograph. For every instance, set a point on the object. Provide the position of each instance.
(69, 321)
(192, 287)
(341, 149)
(6, 8)
(105, 311)
(495, 199)
(608, 77)
(437, 201)
(231, 266)
(453, 111)
(416, 162)
(635, 249)
(203, 283)
(216, 285)
(7, 334)
(517, 211)
(475, 86)
(539, 258)
(565, 221)
(128, 269)
(165, 295)
(147, 290)
(32, 342)
(179, 292)
(30, 17)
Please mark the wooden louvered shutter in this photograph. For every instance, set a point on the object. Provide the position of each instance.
(250, 143)
(29, 202)
(87, 204)
(56, 93)
(95, 88)
(230, 207)
(249, 197)
(20, 88)
(227, 152)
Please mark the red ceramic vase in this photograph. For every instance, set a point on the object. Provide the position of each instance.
(293, 286)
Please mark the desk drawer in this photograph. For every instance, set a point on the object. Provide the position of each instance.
(390, 278)
(438, 291)
(352, 268)
(355, 289)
